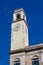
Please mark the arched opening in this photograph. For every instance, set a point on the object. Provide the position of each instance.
(18, 16)
(35, 60)
(17, 61)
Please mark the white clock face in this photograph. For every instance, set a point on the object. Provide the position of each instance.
(17, 27)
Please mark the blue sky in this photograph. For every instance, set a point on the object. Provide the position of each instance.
(34, 13)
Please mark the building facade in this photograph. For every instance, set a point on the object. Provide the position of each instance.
(21, 53)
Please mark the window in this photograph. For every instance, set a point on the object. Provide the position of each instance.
(35, 60)
(18, 16)
(17, 62)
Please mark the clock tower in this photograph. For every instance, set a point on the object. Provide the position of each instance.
(19, 30)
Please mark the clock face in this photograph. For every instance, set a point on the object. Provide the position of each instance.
(17, 27)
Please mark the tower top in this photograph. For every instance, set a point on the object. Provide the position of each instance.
(19, 14)
(18, 10)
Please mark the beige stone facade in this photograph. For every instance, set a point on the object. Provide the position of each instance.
(27, 54)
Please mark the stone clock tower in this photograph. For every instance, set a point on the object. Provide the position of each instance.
(21, 53)
(19, 30)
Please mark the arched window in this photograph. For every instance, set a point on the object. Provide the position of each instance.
(35, 60)
(17, 61)
(18, 16)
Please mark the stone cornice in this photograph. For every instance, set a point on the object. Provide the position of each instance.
(28, 49)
